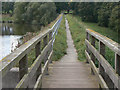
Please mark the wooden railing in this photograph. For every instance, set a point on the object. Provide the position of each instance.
(109, 78)
(40, 64)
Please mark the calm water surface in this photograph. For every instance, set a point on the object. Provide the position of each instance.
(10, 36)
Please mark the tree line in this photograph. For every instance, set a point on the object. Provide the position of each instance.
(34, 12)
(106, 14)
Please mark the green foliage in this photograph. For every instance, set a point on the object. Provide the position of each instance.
(115, 18)
(104, 13)
(61, 6)
(34, 12)
(60, 45)
(7, 7)
(86, 11)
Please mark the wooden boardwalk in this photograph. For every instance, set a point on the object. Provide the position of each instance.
(69, 72)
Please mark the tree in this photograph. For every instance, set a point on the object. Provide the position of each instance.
(104, 13)
(7, 7)
(85, 11)
(35, 13)
(60, 6)
(114, 22)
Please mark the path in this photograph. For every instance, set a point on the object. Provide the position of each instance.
(69, 72)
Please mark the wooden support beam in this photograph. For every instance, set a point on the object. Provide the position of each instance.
(117, 64)
(92, 55)
(45, 40)
(93, 43)
(50, 35)
(102, 52)
(23, 67)
(87, 49)
(38, 51)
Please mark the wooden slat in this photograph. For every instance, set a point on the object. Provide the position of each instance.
(108, 42)
(117, 64)
(39, 81)
(93, 43)
(11, 60)
(99, 77)
(23, 67)
(24, 81)
(37, 52)
(108, 68)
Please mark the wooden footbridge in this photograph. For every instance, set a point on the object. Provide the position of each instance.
(67, 72)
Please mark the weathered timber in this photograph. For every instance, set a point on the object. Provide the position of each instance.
(99, 77)
(39, 80)
(108, 42)
(38, 51)
(12, 59)
(24, 81)
(88, 38)
(20, 56)
(109, 75)
(107, 67)
(117, 64)
(23, 67)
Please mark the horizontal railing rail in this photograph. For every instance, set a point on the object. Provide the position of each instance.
(40, 65)
(108, 76)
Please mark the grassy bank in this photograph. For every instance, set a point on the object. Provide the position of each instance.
(6, 17)
(77, 28)
(60, 45)
(112, 34)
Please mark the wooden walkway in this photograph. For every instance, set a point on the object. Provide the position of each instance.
(69, 72)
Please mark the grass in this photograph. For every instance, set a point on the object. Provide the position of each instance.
(78, 35)
(102, 30)
(6, 17)
(60, 45)
(77, 28)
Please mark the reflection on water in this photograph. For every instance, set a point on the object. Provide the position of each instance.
(10, 36)
(8, 44)
(18, 29)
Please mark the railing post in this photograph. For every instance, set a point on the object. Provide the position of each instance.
(50, 35)
(102, 52)
(92, 55)
(45, 40)
(93, 44)
(117, 64)
(87, 49)
(117, 68)
(101, 69)
(38, 51)
(23, 67)
(50, 38)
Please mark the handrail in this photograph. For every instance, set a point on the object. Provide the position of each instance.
(110, 43)
(20, 56)
(108, 76)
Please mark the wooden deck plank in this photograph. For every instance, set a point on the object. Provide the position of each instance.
(69, 72)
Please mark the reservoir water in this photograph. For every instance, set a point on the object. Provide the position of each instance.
(10, 35)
